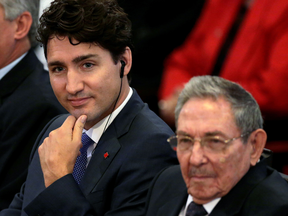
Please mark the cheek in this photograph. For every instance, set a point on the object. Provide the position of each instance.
(184, 165)
(231, 169)
(58, 85)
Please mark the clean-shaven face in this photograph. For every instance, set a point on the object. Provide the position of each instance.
(84, 78)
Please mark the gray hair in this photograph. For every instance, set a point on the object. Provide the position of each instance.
(245, 109)
(14, 8)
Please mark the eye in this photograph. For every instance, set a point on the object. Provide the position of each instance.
(184, 139)
(184, 142)
(215, 140)
(214, 143)
(88, 65)
(57, 69)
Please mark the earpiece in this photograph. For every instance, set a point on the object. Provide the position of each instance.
(122, 68)
(121, 76)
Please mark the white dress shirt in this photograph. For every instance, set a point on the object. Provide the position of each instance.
(208, 206)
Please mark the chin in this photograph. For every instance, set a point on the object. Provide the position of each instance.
(202, 196)
(76, 114)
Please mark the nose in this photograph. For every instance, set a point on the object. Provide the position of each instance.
(74, 82)
(197, 154)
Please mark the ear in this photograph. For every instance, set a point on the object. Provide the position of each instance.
(257, 140)
(127, 58)
(23, 25)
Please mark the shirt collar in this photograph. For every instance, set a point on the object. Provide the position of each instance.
(7, 68)
(208, 206)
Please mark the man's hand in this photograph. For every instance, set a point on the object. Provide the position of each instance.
(59, 151)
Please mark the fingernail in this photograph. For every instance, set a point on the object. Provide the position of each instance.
(83, 118)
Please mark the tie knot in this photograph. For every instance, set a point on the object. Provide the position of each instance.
(195, 209)
(86, 141)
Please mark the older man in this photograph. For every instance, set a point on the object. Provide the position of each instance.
(27, 101)
(219, 141)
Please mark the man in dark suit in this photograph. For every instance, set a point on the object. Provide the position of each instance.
(87, 45)
(27, 101)
(219, 142)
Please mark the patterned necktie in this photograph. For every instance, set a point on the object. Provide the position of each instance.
(195, 210)
(81, 161)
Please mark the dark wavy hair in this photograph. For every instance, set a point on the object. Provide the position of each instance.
(102, 22)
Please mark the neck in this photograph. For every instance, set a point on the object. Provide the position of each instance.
(19, 49)
(123, 94)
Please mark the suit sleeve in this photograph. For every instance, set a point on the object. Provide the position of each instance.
(62, 198)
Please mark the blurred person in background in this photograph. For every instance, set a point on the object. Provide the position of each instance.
(27, 101)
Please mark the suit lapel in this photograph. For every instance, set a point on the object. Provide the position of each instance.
(108, 145)
(103, 155)
(173, 206)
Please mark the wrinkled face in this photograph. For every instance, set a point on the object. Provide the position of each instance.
(84, 78)
(210, 175)
(7, 30)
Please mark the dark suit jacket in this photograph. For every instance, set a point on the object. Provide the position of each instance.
(27, 104)
(136, 142)
(261, 192)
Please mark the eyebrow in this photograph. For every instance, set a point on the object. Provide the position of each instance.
(214, 133)
(55, 63)
(83, 57)
(75, 60)
(182, 133)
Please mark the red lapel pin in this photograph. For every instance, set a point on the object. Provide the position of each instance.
(106, 155)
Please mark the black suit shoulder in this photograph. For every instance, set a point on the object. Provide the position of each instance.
(27, 104)
(269, 197)
(167, 193)
(261, 192)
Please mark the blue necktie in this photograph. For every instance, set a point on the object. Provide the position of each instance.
(81, 161)
(195, 210)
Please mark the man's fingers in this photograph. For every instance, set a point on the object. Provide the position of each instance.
(78, 128)
(68, 124)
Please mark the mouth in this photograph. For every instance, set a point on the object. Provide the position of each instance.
(200, 178)
(198, 175)
(77, 102)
